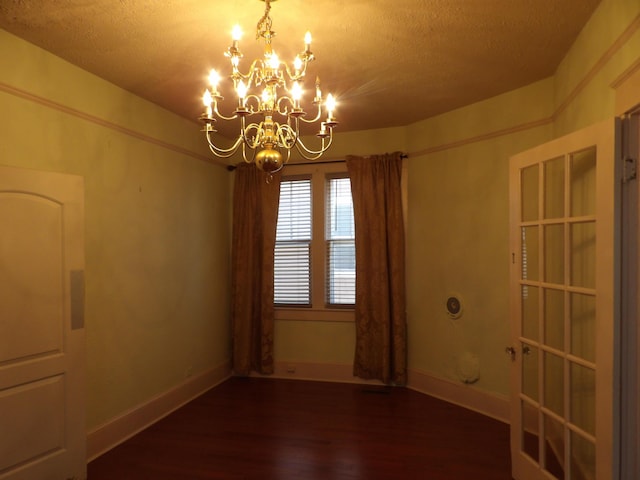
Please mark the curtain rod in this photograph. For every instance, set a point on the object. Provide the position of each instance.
(231, 168)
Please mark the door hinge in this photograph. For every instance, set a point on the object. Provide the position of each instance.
(630, 169)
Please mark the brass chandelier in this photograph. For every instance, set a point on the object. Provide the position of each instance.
(271, 92)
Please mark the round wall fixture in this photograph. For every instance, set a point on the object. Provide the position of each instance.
(454, 306)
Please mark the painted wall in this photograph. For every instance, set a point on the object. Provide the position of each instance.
(458, 197)
(157, 223)
(458, 237)
(457, 222)
(157, 226)
(606, 50)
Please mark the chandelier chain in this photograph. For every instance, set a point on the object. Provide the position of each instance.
(264, 24)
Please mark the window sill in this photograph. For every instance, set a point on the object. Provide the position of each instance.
(315, 314)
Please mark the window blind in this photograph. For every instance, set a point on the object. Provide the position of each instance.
(292, 270)
(340, 242)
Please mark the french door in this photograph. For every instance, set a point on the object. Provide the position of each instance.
(563, 223)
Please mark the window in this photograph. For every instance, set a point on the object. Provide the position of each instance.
(340, 239)
(314, 271)
(292, 266)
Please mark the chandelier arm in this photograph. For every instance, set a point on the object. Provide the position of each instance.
(287, 136)
(244, 154)
(219, 115)
(300, 73)
(316, 118)
(224, 152)
(237, 75)
(309, 154)
(257, 139)
(284, 99)
(255, 98)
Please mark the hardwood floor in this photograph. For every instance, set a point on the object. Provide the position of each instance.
(254, 428)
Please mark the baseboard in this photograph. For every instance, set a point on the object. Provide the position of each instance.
(323, 372)
(115, 431)
(467, 396)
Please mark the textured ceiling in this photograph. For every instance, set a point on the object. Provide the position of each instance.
(390, 63)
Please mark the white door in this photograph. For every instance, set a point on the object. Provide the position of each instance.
(563, 224)
(42, 413)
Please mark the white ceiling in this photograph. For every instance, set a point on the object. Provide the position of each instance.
(390, 63)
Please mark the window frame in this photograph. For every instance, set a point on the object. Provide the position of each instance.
(319, 310)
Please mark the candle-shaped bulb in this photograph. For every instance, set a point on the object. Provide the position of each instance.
(206, 100)
(214, 79)
(236, 33)
(274, 61)
(318, 92)
(297, 64)
(242, 90)
(296, 92)
(330, 104)
(266, 96)
(307, 41)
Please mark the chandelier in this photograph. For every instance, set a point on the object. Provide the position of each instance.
(269, 105)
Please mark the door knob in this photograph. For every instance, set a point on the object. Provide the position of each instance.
(511, 351)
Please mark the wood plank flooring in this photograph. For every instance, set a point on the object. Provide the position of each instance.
(255, 428)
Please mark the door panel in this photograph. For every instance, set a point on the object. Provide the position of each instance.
(31, 279)
(562, 219)
(42, 414)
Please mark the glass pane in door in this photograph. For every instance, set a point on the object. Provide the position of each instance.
(530, 372)
(554, 447)
(583, 398)
(583, 254)
(554, 253)
(583, 183)
(530, 430)
(583, 326)
(583, 458)
(530, 312)
(554, 188)
(554, 318)
(554, 383)
(529, 193)
(530, 253)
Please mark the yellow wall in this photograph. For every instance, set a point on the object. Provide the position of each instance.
(157, 215)
(458, 237)
(156, 229)
(458, 196)
(457, 234)
(606, 49)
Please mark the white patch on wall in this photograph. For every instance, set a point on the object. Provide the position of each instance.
(468, 368)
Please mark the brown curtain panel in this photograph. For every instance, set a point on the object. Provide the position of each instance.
(255, 214)
(380, 310)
